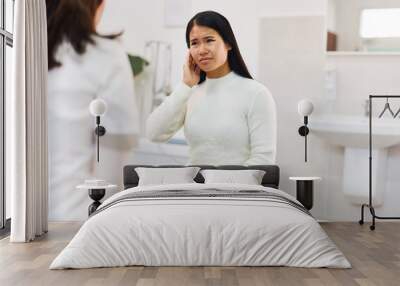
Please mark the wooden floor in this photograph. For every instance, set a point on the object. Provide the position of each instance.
(375, 257)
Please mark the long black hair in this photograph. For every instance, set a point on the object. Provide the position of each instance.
(220, 24)
(72, 21)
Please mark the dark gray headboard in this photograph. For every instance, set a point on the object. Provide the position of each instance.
(271, 177)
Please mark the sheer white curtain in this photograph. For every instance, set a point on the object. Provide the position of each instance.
(26, 123)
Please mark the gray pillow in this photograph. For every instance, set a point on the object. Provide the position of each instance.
(248, 177)
(165, 176)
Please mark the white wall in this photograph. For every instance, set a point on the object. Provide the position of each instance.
(348, 14)
(331, 16)
(358, 76)
(144, 20)
(295, 60)
(291, 63)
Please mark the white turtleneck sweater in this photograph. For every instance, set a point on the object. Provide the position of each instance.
(228, 120)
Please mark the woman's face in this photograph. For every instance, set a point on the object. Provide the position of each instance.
(207, 48)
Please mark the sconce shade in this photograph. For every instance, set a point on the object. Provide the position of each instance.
(98, 107)
(305, 107)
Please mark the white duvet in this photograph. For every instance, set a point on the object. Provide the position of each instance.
(200, 231)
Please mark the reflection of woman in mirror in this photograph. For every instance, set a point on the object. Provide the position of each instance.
(228, 117)
(83, 66)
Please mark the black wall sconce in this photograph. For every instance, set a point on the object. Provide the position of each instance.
(305, 108)
(98, 108)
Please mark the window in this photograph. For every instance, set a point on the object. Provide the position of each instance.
(6, 43)
(380, 23)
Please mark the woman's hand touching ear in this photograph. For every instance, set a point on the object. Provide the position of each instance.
(191, 72)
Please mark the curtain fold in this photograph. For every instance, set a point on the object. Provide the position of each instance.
(26, 124)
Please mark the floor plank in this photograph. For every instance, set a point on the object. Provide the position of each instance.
(374, 255)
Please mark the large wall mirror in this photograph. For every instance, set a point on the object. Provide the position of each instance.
(363, 25)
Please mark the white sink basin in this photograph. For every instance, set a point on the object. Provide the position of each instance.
(352, 131)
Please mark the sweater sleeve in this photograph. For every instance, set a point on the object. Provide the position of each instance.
(169, 117)
(262, 129)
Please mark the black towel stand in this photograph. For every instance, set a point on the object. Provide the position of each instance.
(370, 206)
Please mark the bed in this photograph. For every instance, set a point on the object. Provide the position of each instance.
(201, 224)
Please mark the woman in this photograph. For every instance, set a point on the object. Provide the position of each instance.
(228, 117)
(83, 66)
